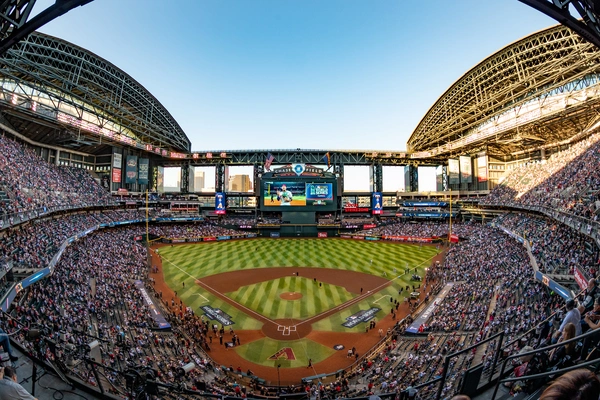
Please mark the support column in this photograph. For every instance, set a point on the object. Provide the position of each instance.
(220, 178)
(377, 178)
(411, 178)
(258, 173)
(185, 178)
(445, 186)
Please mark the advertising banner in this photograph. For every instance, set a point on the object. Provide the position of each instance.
(216, 314)
(465, 169)
(580, 278)
(453, 171)
(117, 160)
(220, 203)
(482, 171)
(143, 171)
(116, 175)
(377, 203)
(408, 239)
(424, 316)
(155, 312)
(556, 287)
(322, 234)
(355, 209)
(360, 317)
(131, 172)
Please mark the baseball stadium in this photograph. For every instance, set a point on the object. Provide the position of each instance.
(284, 282)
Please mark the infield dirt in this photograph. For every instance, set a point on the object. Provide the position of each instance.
(352, 281)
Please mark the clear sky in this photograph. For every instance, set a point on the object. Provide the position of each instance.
(285, 74)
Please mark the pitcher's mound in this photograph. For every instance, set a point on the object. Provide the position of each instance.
(290, 296)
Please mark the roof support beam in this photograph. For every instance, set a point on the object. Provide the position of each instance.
(14, 25)
(588, 27)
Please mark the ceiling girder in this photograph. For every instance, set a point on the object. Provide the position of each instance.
(15, 24)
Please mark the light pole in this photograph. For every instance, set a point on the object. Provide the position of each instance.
(278, 380)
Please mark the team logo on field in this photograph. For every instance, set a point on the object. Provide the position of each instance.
(285, 353)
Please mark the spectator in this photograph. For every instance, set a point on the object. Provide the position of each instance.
(573, 317)
(589, 296)
(579, 384)
(5, 343)
(10, 389)
(563, 356)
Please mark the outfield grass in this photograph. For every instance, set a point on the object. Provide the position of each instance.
(186, 263)
(315, 299)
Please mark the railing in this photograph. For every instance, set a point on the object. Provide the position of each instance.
(441, 380)
(581, 224)
(12, 219)
(591, 332)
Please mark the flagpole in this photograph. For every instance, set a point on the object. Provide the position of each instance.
(450, 228)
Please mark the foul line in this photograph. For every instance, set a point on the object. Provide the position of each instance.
(223, 297)
(382, 297)
(359, 298)
(317, 317)
(198, 294)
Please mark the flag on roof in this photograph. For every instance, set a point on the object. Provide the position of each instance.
(269, 161)
(327, 159)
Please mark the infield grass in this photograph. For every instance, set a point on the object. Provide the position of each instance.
(265, 299)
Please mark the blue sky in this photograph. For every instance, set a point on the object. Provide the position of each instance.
(296, 74)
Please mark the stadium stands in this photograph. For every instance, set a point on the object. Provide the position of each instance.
(493, 289)
(30, 185)
(567, 181)
(557, 248)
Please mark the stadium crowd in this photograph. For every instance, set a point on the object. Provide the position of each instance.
(115, 313)
(492, 290)
(30, 184)
(557, 248)
(567, 180)
(405, 228)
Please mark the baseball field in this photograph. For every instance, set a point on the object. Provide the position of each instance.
(294, 302)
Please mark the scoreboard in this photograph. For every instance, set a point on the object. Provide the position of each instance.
(303, 194)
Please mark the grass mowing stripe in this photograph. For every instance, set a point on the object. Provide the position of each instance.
(204, 259)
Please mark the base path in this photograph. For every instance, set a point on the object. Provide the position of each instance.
(352, 281)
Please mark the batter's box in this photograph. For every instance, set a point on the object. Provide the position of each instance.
(286, 330)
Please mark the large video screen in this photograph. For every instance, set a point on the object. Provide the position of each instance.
(319, 191)
(283, 193)
(288, 193)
